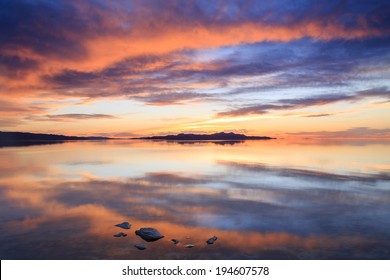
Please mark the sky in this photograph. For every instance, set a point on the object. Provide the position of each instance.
(134, 68)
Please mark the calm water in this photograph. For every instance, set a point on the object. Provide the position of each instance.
(262, 199)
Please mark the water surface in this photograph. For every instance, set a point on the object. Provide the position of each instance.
(262, 199)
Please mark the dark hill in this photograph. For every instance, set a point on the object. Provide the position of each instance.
(26, 138)
(222, 136)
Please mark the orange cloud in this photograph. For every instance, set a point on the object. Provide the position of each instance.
(157, 36)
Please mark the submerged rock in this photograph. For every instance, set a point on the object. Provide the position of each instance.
(124, 225)
(175, 241)
(189, 245)
(149, 234)
(140, 246)
(211, 240)
(120, 234)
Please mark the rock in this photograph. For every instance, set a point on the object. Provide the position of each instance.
(189, 245)
(140, 246)
(211, 240)
(175, 241)
(124, 225)
(120, 234)
(149, 234)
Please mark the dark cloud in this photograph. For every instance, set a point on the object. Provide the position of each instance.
(77, 117)
(140, 64)
(58, 28)
(128, 77)
(318, 115)
(350, 15)
(47, 28)
(375, 92)
(15, 66)
(171, 98)
(356, 132)
(308, 63)
(73, 78)
(298, 103)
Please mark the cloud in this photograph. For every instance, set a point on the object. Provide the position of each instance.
(64, 117)
(163, 53)
(288, 64)
(67, 117)
(171, 98)
(12, 108)
(307, 63)
(9, 122)
(73, 78)
(298, 103)
(14, 66)
(173, 203)
(356, 132)
(88, 36)
(318, 115)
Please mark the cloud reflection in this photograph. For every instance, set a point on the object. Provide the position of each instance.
(257, 210)
(85, 214)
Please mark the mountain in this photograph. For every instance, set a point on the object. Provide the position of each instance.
(221, 136)
(26, 138)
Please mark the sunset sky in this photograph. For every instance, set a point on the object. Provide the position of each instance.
(132, 68)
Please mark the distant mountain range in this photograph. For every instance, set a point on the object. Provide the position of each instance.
(221, 136)
(26, 138)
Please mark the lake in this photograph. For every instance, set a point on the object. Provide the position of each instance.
(262, 199)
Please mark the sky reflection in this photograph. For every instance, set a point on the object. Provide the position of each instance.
(73, 193)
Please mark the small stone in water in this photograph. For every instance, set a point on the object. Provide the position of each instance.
(149, 234)
(124, 225)
(175, 241)
(140, 246)
(211, 240)
(120, 234)
(189, 245)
